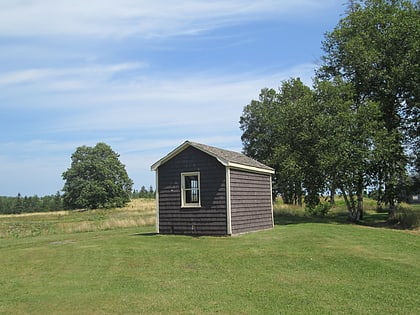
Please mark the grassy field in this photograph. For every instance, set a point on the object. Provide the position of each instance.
(139, 212)
(302, 266)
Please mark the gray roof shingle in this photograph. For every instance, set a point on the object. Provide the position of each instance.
(225, 157)
(230, 156)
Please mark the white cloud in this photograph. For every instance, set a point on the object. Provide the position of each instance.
(119, 18)
(103, 97)
(80, 72)
(52, 74)
(194, 100)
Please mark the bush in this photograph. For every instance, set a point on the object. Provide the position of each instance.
(320, 209)
(406, 218)
(381, 209)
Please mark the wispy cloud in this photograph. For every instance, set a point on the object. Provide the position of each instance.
(104, 97)
(142, 76)
(51, 74)
(119, 18)
(141, 118)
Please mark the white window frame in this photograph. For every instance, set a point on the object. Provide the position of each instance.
(184, 203)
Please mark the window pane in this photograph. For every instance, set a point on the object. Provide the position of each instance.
(192, 192)
(191, 182)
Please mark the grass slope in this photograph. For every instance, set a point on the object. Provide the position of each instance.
(304, 268)
(139, 212)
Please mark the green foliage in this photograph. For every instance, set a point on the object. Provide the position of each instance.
(279, 130)
(321, 209)
(144, 193)
(405, 218)
(315, 140)
(352, 142)
(96, 179)
(19, 204)
(349, 132)
(375, 48)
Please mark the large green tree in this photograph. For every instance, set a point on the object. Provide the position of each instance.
(316, 139)
(376, 48)
(279, 129)
(95, 179)
(349, 143)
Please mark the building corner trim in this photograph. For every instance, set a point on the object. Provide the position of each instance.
(157, 200)
(228, 203)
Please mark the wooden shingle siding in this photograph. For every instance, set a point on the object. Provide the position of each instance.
(210, 218)
(251, 206)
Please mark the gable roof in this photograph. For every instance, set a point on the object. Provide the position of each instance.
(225, 157)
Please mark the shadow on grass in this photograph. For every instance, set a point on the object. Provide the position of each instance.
(145, 234)
(378, 220)
(287, 219)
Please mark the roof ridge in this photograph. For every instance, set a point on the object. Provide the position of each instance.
(230, 156)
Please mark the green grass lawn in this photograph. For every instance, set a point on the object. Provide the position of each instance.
(303, 266)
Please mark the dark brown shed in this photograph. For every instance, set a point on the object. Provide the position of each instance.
(204, 190)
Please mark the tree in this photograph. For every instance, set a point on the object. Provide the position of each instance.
(297, 136)
(151, 193)
(316, 140)
(258, 128)
(95, 179)
(376, 49)
(57, 202)
(280, 131)
(143, 192)
(350, 143)
(18, 206)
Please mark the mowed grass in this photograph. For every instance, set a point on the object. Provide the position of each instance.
(301, 267)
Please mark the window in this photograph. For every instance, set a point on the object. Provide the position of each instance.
(190, 190)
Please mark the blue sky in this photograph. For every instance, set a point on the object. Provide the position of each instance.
(141, 76)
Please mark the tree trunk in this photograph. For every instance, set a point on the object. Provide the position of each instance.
(352, 206)
(360, 198)
(332, 195)
(392, 205)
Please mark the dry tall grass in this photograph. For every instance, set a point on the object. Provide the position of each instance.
(35, 214)
(137, 213)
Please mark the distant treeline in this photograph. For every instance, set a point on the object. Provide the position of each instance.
(144, 193)
(20, 204)
(25, 204)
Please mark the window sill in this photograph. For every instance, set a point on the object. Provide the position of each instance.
(190, 205)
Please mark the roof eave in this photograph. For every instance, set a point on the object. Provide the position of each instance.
(250, 168)
(170, 155)
(181, 148)
(224, 162)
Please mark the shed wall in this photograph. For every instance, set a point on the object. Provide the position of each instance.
(251, 204)
(414, 199)
(210, 218)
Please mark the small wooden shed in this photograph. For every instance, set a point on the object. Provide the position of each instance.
(414, 199)
(203, 190)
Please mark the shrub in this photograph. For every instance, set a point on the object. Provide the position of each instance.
(381, 209)
(406, 218)
(321, 209)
